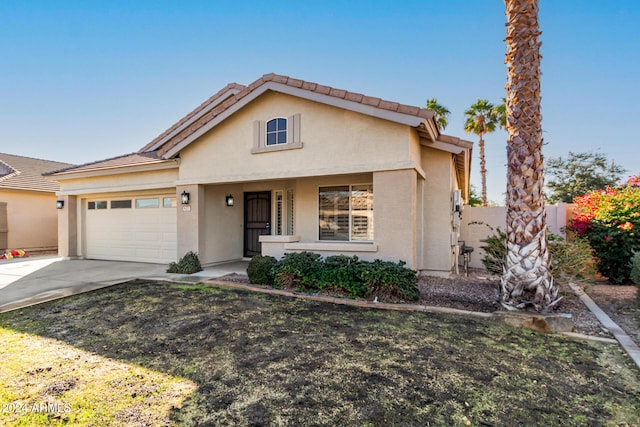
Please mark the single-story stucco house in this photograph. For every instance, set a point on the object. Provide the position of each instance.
(277, 166)
(28, 216)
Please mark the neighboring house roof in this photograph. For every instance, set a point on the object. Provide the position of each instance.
(117, 163)
(25, 173)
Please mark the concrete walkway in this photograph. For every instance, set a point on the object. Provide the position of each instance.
(625, 340)
(28, 281)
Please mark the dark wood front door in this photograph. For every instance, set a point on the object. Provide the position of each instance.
(257, 220)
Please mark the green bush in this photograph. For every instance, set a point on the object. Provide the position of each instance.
(635, 269)
(260, 270)
(298, 270)
(359, 279)
(344, 273)
(570, 258)
(495, 251)
(188, 264)
(391, 280)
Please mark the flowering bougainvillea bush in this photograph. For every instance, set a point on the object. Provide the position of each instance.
(610, 220)
(14, 253)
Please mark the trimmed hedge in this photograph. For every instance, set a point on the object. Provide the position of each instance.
(358, 279)
(260, 270)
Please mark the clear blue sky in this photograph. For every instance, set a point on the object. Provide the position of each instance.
(86, 80)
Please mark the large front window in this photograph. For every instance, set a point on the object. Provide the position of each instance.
(346, 212)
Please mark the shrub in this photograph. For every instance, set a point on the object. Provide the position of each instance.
(386, 279)
(495, 250)
(260, 270)
(188, 264)
(610, 220)
(635, 269)
(572, 258)
(344, 273)
(298, 269)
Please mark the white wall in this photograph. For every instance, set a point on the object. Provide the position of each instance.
(476, 222)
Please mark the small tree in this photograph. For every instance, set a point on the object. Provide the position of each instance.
(578, 174)
(610, 220)
(474, 198)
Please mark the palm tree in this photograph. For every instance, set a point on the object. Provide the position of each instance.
(527, 279)
(501, 113)
(481, 119)
(441, 113)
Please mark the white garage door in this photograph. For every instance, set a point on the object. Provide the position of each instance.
(141, 229)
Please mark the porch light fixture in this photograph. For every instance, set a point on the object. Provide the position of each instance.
(59, 204)
(184, 198)
(229, 200)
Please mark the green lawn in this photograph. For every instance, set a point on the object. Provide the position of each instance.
(149, 353)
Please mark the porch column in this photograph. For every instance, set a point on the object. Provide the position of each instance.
(191, 217)
(68, 227)
(395, 215)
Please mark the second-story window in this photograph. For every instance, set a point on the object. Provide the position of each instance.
(277, 131)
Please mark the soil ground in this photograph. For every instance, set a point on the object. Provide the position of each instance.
(259, 360)
(479, 292)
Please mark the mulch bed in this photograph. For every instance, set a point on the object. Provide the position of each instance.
(479, 292)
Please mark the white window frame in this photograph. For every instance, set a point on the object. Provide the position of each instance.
(260, 135)
(277, 132)
(350, 218)
(283, 212)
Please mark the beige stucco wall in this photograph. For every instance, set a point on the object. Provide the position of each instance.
(395, 215)
(335, 141)
(132, 181)
(32, 219)
(223, 225)
(437, 254)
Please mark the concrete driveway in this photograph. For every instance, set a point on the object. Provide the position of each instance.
(28, 281)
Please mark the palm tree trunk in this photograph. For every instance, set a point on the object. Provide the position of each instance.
(483, 171)
(527, 279)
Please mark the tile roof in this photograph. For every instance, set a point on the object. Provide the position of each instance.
(285, 80)
(133, 159)
(25, 173)
(227, 90)
(231, 95)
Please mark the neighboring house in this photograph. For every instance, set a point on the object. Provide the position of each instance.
(28, 216)
(278, 166)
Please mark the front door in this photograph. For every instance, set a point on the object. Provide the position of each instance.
(257, 220)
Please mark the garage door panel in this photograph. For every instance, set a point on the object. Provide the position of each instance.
(135, 234)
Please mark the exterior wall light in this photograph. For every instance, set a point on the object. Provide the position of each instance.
(59, 204)
(229, 200)
(184, 198)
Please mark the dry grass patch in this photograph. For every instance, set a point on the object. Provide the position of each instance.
(48, 382)
(261, 359)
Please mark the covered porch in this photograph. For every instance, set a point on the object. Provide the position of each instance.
(371, 215)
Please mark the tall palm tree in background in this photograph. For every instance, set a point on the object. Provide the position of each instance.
(481, 119)
(441, 112)
(527, 280)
